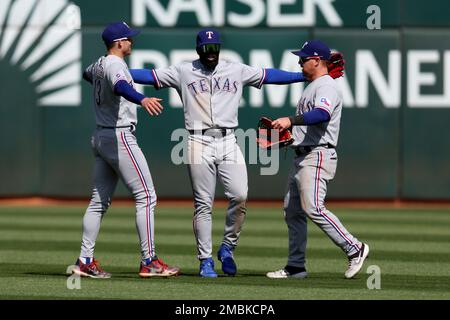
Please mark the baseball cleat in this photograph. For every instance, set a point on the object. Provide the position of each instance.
(225, 255)
(91, 270)
(157, 268)
(355, 261)
(207, 268)
(283, 273)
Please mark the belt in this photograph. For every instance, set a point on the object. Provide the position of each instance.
(302, 150)
(212, 131)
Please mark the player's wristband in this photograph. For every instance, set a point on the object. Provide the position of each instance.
(297, 120)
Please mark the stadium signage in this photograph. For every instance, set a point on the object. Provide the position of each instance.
(364, 71)
(215, 13)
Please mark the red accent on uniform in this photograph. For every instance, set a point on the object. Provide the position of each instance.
(318, 207)
(158, 83)
(147, 214)
(262, 79)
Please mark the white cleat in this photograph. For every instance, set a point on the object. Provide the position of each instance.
(282, 274)
(356, 261)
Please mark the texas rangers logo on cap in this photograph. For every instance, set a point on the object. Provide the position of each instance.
(207, 36)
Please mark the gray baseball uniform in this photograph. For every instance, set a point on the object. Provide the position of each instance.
(211, 100)
(117, 155)
(314, 166)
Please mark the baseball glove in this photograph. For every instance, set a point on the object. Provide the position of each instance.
(268, 137)
(336, 65)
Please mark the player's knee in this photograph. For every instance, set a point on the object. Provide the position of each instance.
(314, 211)
(99, 205)
(290, 208)
(203, 207)
(293, 215)
(239, 197)
(288, 213)
(146, 197)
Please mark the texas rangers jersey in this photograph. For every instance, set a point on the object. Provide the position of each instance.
(111, 110)
(210, 99)
(322, 93)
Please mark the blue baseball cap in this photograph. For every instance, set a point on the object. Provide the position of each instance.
(314, 48)
(207, 36)
(118, 31)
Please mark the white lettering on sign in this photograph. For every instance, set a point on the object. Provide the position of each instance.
(269, 12)
(418, 79)
(368, 68)
(366, 73)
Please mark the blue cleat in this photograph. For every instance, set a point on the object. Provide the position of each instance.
(225, 255)
(207, 268)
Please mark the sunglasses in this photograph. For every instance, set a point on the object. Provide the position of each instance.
(302, 60)
(210, 48)
(124, 39)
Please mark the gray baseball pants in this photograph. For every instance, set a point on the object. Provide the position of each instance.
(118, 155)
(211, 156)
(305, 196)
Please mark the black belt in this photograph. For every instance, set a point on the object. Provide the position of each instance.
(211, 131)
(302, 150)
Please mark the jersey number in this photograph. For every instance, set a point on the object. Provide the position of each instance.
(98, 92)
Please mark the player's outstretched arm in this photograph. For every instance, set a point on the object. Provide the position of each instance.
(142, 76)
(152, 105)
(336, 68)
(276, 76)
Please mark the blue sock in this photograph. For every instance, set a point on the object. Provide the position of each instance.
(147, 261)
(86, 260)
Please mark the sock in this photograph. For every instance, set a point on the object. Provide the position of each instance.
(86, 260)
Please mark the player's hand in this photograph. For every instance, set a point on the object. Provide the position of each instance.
(152, 105)
(281, 123)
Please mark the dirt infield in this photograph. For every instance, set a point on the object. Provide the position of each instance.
(221, 203)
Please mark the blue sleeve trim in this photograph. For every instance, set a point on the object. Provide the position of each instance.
(316, 116)
(124, 89)
(263, 78)
(276, 76)
(142, 76)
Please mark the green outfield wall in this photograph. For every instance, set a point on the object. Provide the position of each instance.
(394, 141)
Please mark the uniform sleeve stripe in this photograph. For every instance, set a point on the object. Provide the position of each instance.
(328, 111)
(157, 82)
(119, 79)
(262, 78)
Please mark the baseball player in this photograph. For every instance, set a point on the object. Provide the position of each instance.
(315, 130)
(117, 154)
(210, 90)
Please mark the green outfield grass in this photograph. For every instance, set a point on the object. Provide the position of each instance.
(411, 247)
